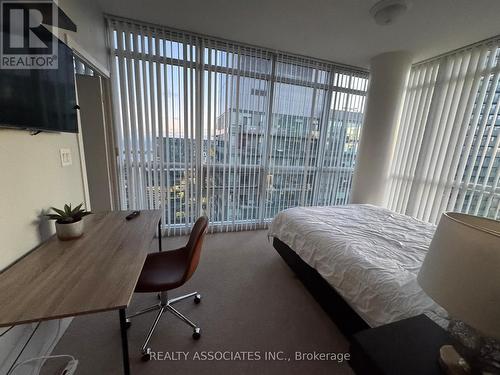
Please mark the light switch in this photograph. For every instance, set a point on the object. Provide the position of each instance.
(66, 157)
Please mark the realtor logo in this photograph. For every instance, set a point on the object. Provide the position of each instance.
(25, 42)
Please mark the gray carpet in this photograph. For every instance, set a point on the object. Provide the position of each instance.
(252, 302)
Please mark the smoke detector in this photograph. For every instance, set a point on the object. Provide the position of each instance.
(385, 12)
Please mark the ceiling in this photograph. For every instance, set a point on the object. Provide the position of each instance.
(337, 30)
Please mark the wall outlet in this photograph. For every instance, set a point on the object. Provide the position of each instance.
(66, 157)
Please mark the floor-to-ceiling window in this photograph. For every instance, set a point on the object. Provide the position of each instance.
(447, 154)
(236, 132)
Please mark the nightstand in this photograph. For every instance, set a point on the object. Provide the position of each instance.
(407, 347)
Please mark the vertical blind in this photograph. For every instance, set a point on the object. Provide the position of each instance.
(236, 132)
(447, 155)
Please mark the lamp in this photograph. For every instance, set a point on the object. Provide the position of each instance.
(461, 272)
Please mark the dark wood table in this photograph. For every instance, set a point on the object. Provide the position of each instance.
(96, 272)
(410, 346)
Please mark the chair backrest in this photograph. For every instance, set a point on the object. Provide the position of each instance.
(194, 245)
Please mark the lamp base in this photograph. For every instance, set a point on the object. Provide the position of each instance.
(451, 362)
(481, 354)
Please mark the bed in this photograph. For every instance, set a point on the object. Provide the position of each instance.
(369, 256)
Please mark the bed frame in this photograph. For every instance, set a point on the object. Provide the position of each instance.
(346, 319)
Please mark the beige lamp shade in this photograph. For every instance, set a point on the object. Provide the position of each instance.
(461, 270)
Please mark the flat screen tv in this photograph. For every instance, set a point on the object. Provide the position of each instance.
(41, 100)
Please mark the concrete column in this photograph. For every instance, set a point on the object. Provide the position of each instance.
(388, 73)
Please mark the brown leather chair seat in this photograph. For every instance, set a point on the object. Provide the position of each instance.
(163, 271)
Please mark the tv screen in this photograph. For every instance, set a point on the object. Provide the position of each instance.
(40, 99)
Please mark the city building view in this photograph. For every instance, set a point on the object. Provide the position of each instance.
(252, 165)
(262, 134)
(463, 174)
(234, 181)
(480, 186)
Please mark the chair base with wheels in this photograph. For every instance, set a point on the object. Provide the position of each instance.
(165, 304)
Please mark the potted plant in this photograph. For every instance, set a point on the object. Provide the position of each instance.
(69, 223)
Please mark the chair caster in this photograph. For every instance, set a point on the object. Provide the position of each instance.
(197, 298)
(146, 355)
(197, 333)
(128, 323)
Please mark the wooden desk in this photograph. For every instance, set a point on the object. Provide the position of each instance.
(96, 272)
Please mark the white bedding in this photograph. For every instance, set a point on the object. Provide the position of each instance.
(370, 255)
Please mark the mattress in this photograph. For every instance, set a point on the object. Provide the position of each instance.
(370, 255)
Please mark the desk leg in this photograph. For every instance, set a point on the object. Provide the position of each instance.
(159, 236)
(123, 330)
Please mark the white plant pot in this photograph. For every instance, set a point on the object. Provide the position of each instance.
(69, 231)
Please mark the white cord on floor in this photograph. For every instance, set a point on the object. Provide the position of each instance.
(38, 359)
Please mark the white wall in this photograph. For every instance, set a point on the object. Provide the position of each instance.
(91, 30)
(32, 180)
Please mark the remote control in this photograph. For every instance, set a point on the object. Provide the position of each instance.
(133, 215)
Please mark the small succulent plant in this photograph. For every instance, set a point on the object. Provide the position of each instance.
(68, 215)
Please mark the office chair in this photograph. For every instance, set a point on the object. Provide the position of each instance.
(169, 270)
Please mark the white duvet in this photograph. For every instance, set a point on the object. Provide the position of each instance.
(370, 255)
